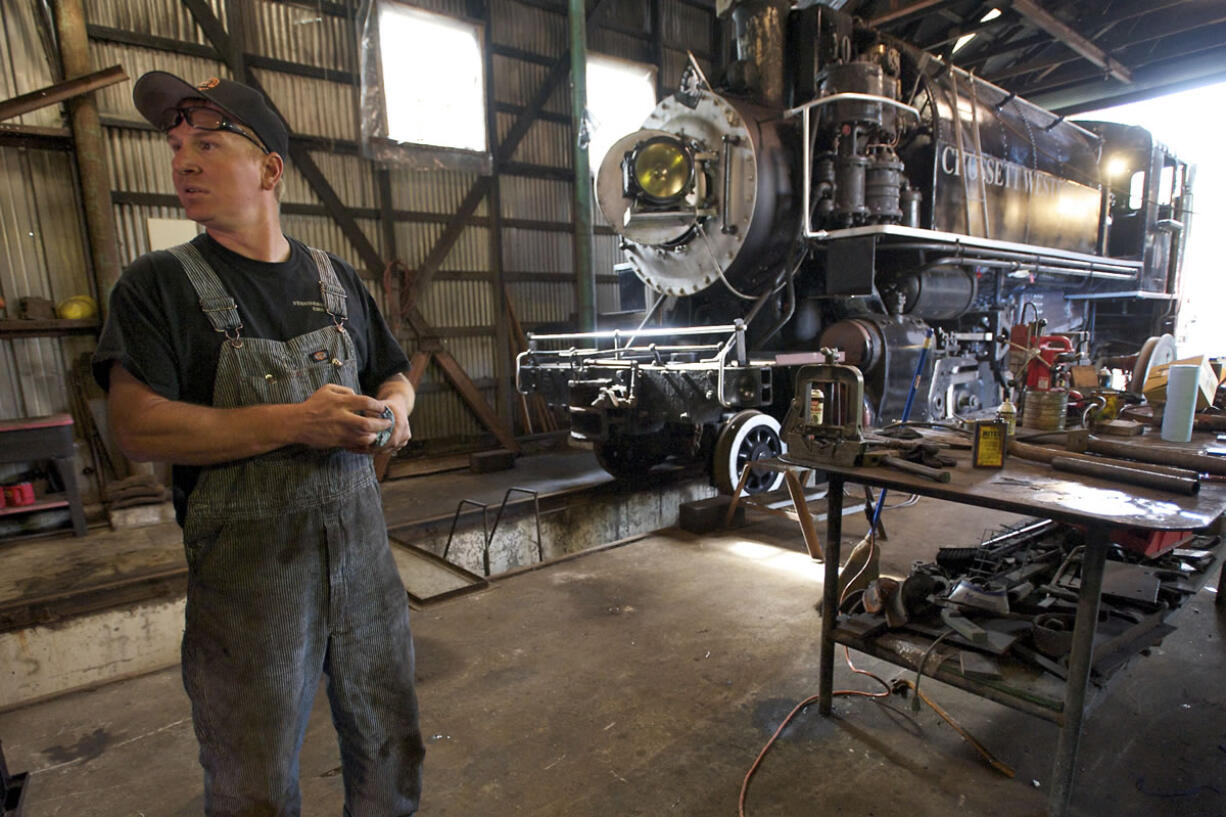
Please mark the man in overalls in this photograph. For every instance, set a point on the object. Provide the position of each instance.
(248, 360)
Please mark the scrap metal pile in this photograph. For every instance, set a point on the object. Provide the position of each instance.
(1016, 594)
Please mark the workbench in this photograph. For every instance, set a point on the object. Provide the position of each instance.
(45, 438)
(1032, 489)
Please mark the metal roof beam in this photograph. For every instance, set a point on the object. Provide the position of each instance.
(1170, 39)
(1043, 19)
(901, 12)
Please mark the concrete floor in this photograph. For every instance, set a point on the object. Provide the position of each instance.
(644, 680)
(56, 571)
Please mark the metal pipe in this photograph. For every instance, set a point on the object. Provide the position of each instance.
(919, 469)
(1081, 659)
(1197, 463)
(830, 594)
(611, 334)
(90, 149)
(851, 97)
(1040, 453)
(1045, 269)
(585, 277)
(921, 238)
(988, 257)
(1131, 476)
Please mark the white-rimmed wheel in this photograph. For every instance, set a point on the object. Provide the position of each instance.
(747, 437)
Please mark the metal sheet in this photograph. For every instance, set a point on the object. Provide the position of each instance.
(546, 143)
(687, 27)
(470, 252)
(23, 63)
(460, 304)
(437, 191)
(517, 82)
(537, 302)
(615, 43)
(299, 33)
(42, 253)
(162, 18)
(139, 161)
(313, 106)
(444, 414)
(529, 28)
(326, 234)
(350, 176)
(536, 199)
(536, 251)
(116, 100)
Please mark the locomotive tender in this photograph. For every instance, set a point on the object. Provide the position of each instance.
(841, 189)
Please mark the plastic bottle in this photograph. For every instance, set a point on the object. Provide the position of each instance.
(1006, 412)
(1181, 389)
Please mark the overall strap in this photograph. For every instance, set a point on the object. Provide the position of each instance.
(215, 302)
(330, 289)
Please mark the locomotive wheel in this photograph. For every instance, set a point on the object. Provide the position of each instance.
(627, 457)
(747, 437)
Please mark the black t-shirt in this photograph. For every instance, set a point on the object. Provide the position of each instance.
(156, 330)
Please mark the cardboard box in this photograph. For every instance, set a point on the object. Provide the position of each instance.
(1155, 384)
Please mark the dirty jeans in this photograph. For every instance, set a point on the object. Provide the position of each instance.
(274, 603)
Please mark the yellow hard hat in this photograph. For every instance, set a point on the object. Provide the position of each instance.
(77, 308)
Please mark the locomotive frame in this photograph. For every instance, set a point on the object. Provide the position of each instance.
(841, 189)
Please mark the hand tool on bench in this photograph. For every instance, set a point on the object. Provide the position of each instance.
(1180, 480)
(1154, 455)
(919, 469)
(1127, 474)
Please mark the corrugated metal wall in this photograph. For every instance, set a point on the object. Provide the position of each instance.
(310, 39)
(42, 241)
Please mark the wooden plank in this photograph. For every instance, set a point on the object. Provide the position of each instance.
(901, 10)
(19, 328)
(420, 466)
(61, 91)
(476, 401)
(417, 368)
(115, 35)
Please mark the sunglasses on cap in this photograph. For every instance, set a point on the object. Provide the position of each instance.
(205, 119)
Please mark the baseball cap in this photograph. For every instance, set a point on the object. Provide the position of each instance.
(158, 91)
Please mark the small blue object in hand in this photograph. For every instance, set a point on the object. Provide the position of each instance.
(386, 434)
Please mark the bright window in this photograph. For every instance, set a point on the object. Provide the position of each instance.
(620, 95)
(433, 78)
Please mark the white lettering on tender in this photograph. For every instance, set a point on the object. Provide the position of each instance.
(997, 172)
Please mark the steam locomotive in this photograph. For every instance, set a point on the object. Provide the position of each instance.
(841, 189)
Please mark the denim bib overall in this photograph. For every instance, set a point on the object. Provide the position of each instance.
(290, 575)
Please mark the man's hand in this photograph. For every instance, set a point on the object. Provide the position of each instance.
(337, 417)
(397, 394)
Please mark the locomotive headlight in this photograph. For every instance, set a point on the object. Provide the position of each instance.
(661, 170)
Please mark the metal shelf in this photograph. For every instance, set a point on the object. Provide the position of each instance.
(39, 505)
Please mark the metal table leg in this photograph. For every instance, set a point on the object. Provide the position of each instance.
(830, 591)
(1080, 661)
